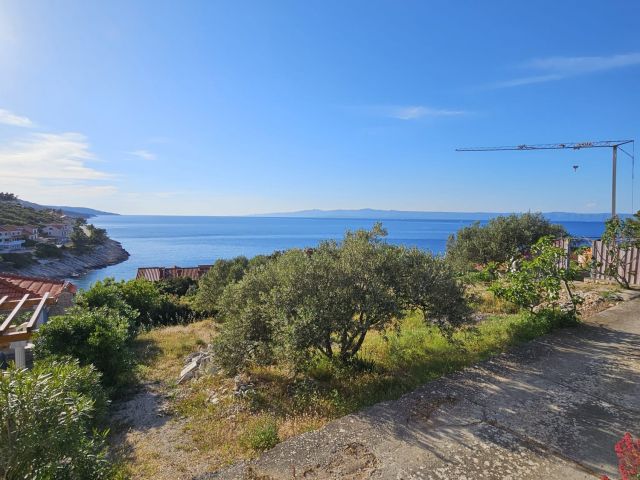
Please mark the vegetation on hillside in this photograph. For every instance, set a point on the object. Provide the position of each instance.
(85, 237)
(311, 334)
(12, 213)
(225, 427)
(8, 197)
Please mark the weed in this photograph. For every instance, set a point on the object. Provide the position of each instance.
(260, 435)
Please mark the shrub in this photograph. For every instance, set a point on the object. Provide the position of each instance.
(140, 299)
(47, 250)
(212, 284)
(222, 274)
(430, 286)
(97, 236)
(628, 453)
(247, 333)
(537, 280)
(47, 420)
(326, 300)
(79, 239)
(98, 337)
(18, 260)
(178, 286)
(499, 240)
(261, 435)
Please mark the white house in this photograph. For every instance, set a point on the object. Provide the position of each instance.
(29, 231)
(10, 232)
(10, 238)
(59, 231)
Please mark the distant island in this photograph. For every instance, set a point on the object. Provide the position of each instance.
(370, 213)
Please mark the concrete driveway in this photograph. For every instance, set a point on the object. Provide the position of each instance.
(553, 408)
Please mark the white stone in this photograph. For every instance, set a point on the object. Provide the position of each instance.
(188, 372)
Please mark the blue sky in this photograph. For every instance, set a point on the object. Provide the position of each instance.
(238, 107)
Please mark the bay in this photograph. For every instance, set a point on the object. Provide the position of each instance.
(161, 241)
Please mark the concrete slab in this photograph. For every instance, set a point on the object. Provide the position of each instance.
(552, 408)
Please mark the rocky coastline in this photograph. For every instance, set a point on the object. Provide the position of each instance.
(110, 252)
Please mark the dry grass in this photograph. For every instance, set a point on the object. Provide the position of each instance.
(211, 427)
(161, 351)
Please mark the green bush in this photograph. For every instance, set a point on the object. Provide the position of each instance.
(48, 250)
(327, 299)
(537, 280)
(212, 284)
(48, 417)
(499, 240)
(140, 299)
(98, 337)
(222, 274)
(178, 286)
(97, 236)
(428, 283)
(261, 435)
(79, 239)
(18, 260)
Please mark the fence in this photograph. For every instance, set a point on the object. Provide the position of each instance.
(629, 263)
(565, 244)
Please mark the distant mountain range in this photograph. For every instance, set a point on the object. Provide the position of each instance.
(372, 214)
(70, 211)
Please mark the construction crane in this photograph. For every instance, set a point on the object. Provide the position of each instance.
(613, 144)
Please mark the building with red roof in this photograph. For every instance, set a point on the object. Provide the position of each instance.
(154, 274)
(25, 304)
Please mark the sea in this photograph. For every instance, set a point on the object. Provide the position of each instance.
(163, 241)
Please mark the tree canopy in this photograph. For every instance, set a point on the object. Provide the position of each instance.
(501, 239)
(327, 299)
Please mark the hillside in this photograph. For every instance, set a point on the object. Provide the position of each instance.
(13, 213)
(66, 210)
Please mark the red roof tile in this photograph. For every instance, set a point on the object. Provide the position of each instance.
(160, 273)
(16, 286)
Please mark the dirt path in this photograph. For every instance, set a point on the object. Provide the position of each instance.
(144, 429)
(553, 408)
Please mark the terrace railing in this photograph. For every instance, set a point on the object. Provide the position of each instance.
(19, 319)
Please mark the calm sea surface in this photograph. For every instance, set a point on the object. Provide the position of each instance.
(186, 241)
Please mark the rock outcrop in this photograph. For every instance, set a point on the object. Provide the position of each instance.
(73, 264)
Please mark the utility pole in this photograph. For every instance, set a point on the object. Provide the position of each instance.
(614, 176)
(613, 144)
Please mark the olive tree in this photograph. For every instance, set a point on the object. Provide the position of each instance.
(429, 284)
(220, 275)
(500, 240)
(327, 299)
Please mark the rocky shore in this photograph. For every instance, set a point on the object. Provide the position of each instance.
(71, 265)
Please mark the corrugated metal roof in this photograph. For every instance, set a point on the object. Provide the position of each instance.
(16, 286)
